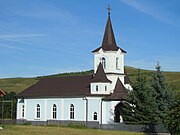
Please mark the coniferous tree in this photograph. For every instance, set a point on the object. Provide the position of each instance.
(162, 93)
(172, 119)
(141, 108)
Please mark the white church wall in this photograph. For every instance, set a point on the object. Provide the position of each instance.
(31, 109)
(110, 57)
(63, 109)
(106, 113)
(20, 103)
(50, 103)
(79, 108)
(99, 88)
(94, 105)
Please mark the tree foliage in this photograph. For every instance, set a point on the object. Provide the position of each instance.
(8, 106)
(172, 119)
(162, 93)
(142, 106)
(150, 100)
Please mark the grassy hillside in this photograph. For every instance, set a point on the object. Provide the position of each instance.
(39, 130)
(16, 84)
(19, 84)
(172, 78)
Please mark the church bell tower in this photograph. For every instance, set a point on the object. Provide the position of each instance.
(110, 55)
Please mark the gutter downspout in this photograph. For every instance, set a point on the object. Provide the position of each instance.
(85, 98)
(101, 115)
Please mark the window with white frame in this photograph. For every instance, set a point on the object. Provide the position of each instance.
(38, 111)
(54, 111)
(104, 63)
(22, 111)
(71, 111)
(95, 116)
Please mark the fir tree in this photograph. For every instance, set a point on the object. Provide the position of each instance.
(141, 108)
(162, 93)
(172, 119)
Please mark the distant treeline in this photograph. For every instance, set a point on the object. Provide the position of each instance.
(88, 72)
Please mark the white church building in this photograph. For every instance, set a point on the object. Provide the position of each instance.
(91, 99)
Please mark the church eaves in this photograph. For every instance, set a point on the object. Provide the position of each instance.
(100, 75)
(109, 42)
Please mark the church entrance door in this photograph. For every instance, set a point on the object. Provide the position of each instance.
(118, 113)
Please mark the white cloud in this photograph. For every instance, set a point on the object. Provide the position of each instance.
(151, 11)
(13, 36)
(47, 12)
(10, 47)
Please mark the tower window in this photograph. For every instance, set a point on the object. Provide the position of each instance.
(54, 112)
(105, 88)
(117, 63)
(95, 116)
(71, 111)
(96, 88)
(104, 62)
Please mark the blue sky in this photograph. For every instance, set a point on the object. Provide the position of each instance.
(41, 37)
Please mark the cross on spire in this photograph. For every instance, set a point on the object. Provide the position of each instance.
(109, 9)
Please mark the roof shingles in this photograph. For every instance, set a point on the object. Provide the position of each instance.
(120, 92)
(100, 75)
(60, 86)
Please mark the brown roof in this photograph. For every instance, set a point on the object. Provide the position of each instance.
(2, 93)
(69, 86)
(59, 87)
(126, 78)
(100, 75)
(120, 92)
(109, 42)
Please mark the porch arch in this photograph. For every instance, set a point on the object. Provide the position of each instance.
(118, 113)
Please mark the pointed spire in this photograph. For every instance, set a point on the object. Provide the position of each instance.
(109, 42)
(100, 75)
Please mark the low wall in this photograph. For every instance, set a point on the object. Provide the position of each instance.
(90, 124)
(135, 128)
(7, 121)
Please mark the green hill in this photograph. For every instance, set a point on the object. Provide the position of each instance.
(19, 84)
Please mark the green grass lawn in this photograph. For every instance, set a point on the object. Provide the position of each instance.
(45, 130)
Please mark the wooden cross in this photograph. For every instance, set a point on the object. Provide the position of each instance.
(109, 9)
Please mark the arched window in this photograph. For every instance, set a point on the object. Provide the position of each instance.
(96, 87)
(22, 111)
(104, 63)
(95, 116)
(117, 63)
(54, 111)
(38, 111)
(71, 111)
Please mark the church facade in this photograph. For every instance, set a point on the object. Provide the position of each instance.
(92, 99)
